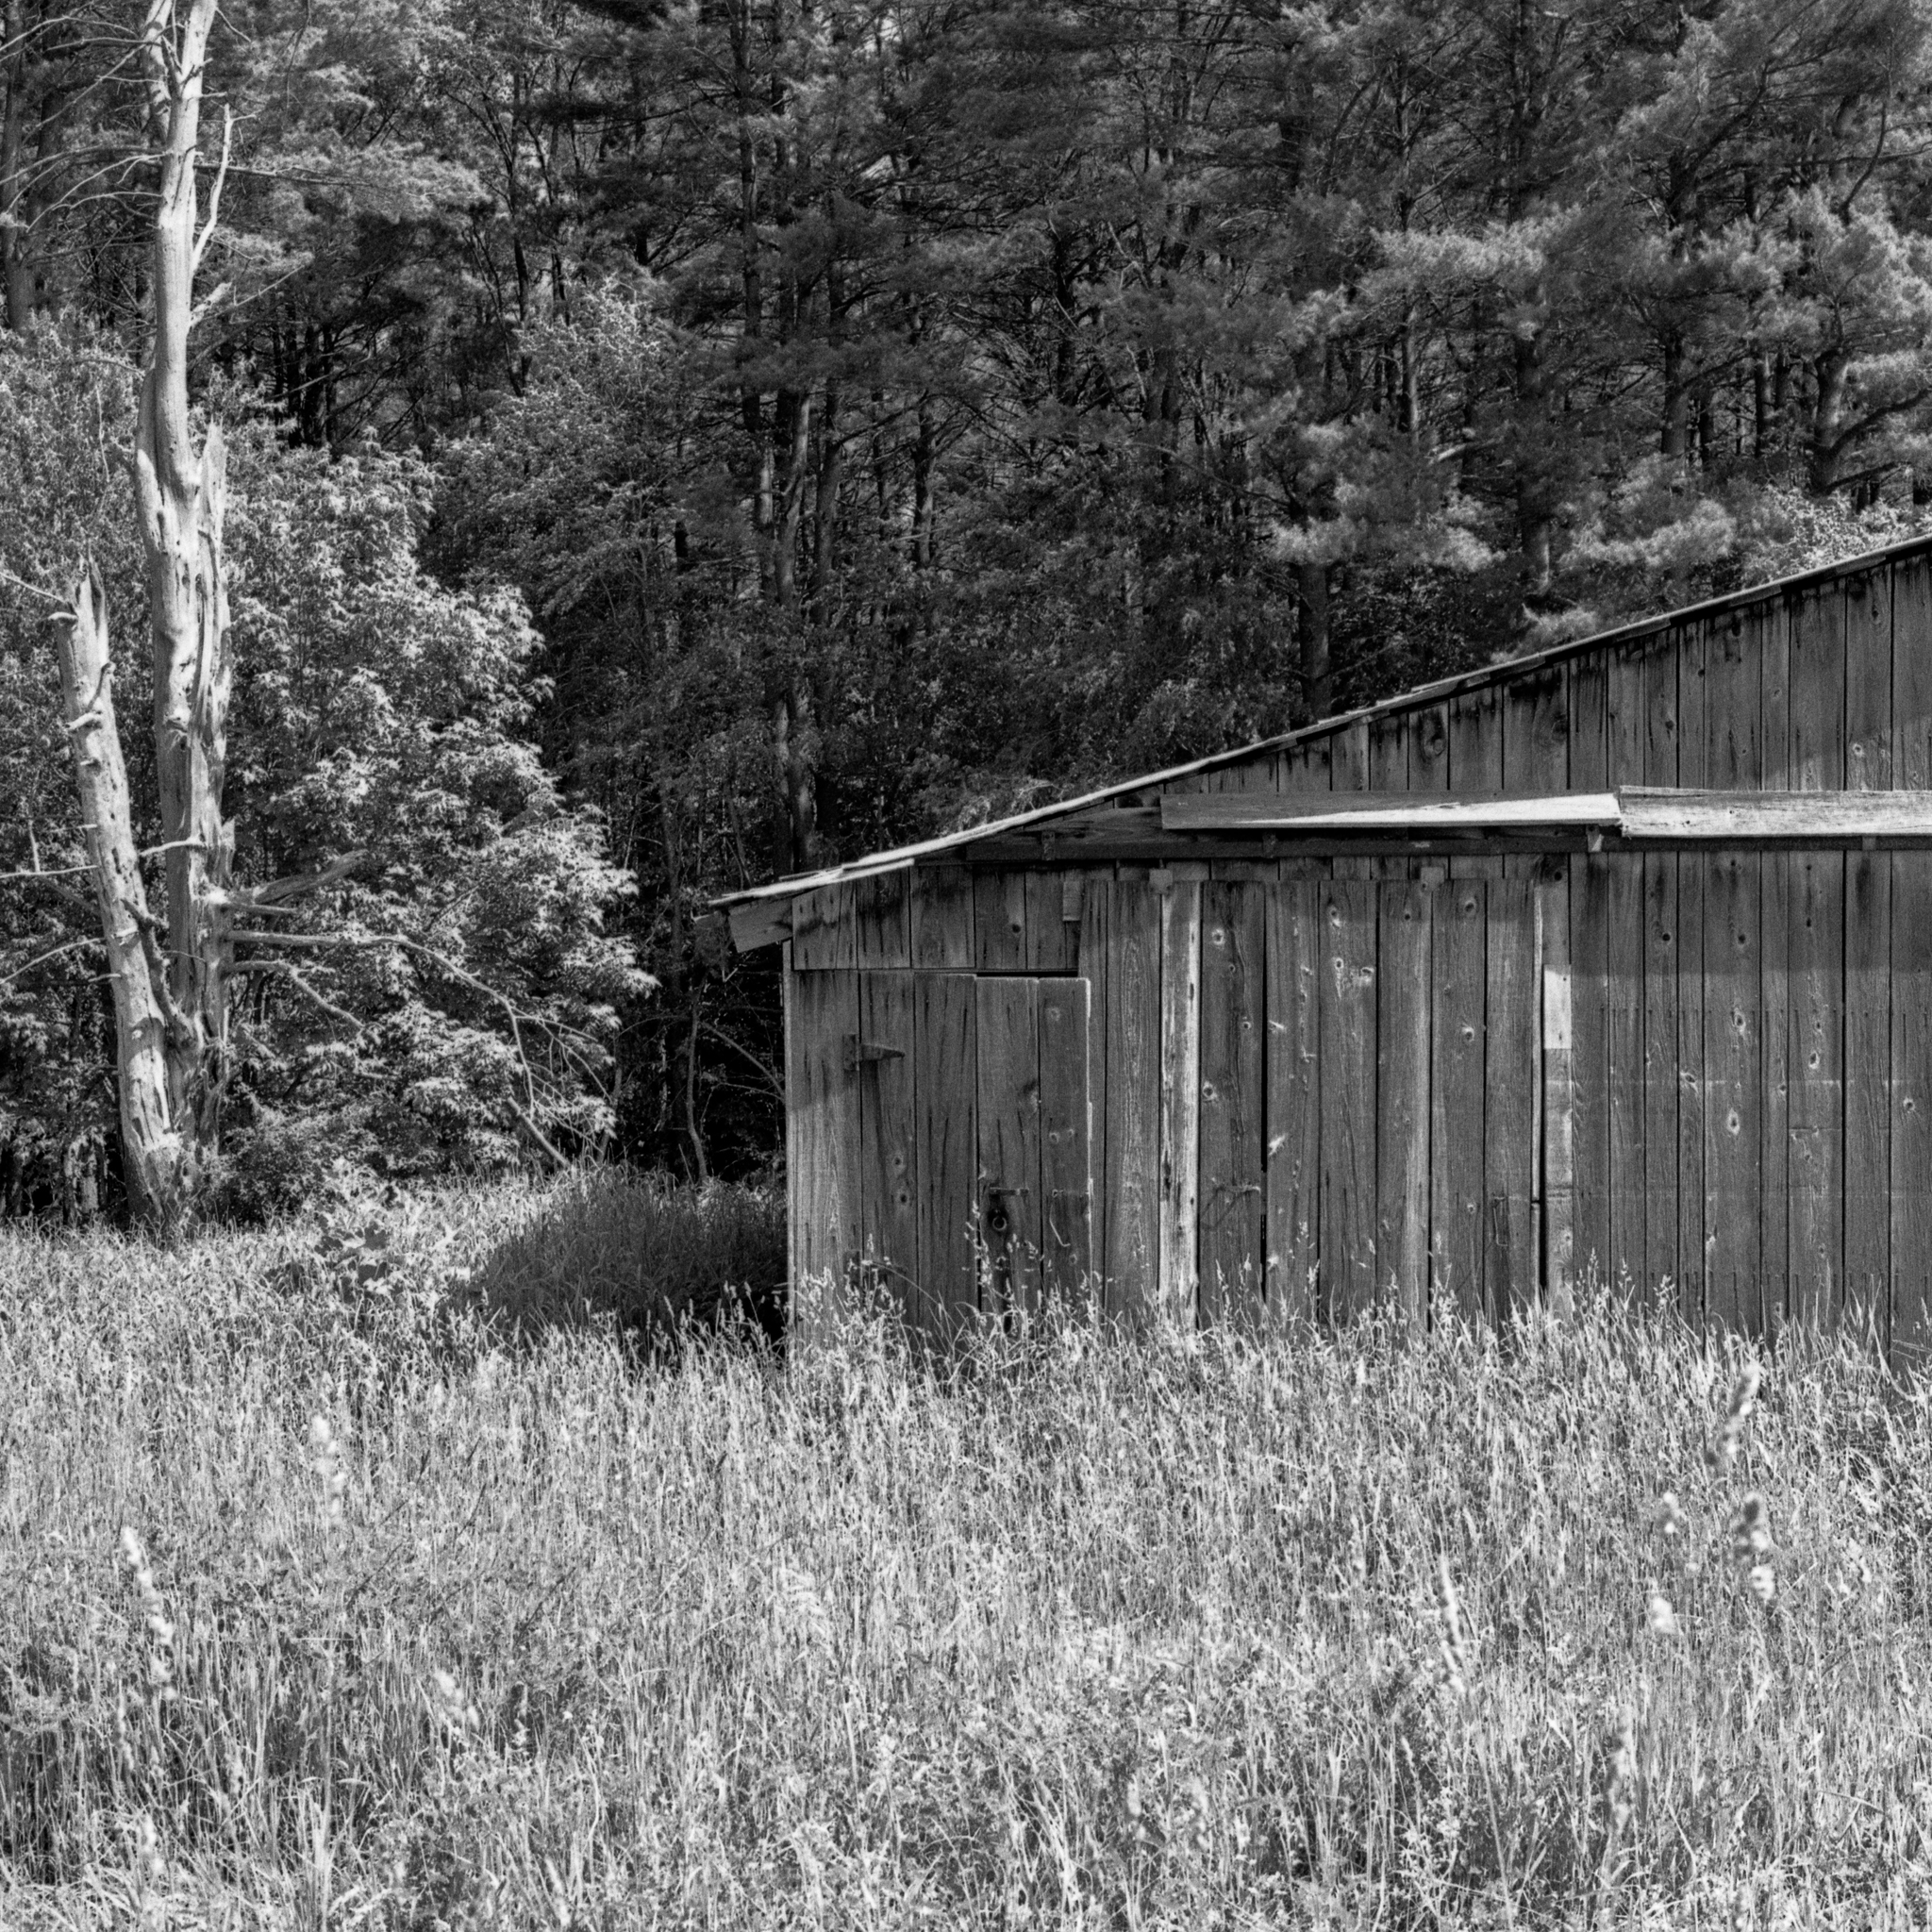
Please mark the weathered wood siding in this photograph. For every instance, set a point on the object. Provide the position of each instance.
(1314, 1085)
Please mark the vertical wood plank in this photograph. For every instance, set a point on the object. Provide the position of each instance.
(794, 1159)
(1066, 1162)
(1693, 757)
(1626, 723)
(1910, 1205)
(1627, 745)
(1817, 1122)
(1559, 1107)
(882, 919)
(1536, 740)
(1305, 767)
(946, 1148)
(1592, 992)
(888, 1137)
(1459, 1129)
(1775, 915)
(1660, 1073)
(1401, 1097)
(823, 931)
(1010, 1136)
(999, 922)
(1590, 722)
(1233, 1206)
(1348, 1097)
(1348, 770)
(1817, 685)
(1128, 1155)
(824, 1097)
(1624, 1077)
(1816, 966)
(1511, 1079)
(1661, 980)
(1867, 602)
(1869, 745)
(1774, 695)
(1661, 658)
(1389, 752)
(1909, 1209)
(1293, 1117)
(1868, 1075)
(1180, 1099)
(1733, 1106)
(1475, 760)
(1734, 663)
(1733, 1111)
(1428, 749)
(1911, 672)
(1590, 982)
(1774, 1306)
(1053, 941)
(1095, 966)
(1536, 732)
(1348, 767)
(1475, 740)
(941, 897)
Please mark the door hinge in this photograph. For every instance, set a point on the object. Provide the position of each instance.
(858, 1052)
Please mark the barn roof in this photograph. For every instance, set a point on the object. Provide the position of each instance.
(1502, 673)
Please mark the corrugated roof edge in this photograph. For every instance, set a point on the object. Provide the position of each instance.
(903, 856)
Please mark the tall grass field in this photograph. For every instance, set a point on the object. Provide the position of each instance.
(411, 1571)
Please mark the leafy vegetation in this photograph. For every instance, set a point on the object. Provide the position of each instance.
(322, 1604)
(454, 992)
(829, 423)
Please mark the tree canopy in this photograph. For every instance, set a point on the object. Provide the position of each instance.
(677, 442)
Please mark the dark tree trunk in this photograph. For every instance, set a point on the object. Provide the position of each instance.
(1313, 623)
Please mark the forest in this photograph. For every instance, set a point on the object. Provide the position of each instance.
(668, 445)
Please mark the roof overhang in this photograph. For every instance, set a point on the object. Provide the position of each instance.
(1250, 825)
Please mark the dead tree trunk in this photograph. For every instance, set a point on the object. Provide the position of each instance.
(170, 994)
(16, 264)
(153, 1152)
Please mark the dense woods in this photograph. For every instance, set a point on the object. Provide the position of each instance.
(672, 444)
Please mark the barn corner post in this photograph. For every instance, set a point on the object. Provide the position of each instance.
(169, 975)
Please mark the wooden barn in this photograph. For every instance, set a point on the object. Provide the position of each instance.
(1614, 957)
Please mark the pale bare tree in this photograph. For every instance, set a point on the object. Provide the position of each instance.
(170, 975)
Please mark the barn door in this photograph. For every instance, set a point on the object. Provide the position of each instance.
(940, 1138)
(1035, 1182)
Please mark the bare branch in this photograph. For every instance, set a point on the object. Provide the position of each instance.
(279, 889)
(42, 872)
(42, 958)
(364, 941)
(61, 606)
(214, 201)
(282, 969)
(528, 1123)
(746, 1054)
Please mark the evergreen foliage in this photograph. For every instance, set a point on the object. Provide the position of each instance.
(891, 414)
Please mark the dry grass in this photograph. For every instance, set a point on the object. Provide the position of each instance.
(1182, 1632)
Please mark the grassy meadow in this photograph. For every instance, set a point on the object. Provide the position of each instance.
(394, 1573)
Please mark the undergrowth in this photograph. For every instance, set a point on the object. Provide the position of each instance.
(330, 1594)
